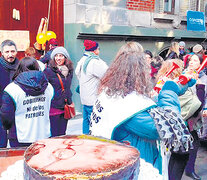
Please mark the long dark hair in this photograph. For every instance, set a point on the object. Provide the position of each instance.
(26, 64)
(68, 63)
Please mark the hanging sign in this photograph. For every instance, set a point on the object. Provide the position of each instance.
(21, 38)
(196, 21)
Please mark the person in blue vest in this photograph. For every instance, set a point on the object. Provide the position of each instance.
(125, 112)
(26, 103)
(8, 64)
(60, 64)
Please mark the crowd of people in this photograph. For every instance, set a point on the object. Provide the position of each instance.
(140, 99)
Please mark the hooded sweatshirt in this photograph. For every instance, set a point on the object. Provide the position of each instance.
(26, 103)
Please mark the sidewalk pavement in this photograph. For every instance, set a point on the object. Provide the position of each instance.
(74, 126)
(201, 164)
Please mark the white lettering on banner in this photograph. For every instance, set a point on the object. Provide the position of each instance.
(196, 21)
(35, 110)
(33, 115)
(34, 100)
(94, 117)
(98, 106)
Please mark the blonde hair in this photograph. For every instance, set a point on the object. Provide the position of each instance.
(174, 47)
(167, 65)
(30, 52)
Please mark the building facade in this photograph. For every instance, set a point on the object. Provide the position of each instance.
(153, 23)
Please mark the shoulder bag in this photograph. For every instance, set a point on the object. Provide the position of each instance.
(69, 109)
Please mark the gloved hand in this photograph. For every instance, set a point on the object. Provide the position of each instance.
(189, 76)
(176, 87)
(191, 82)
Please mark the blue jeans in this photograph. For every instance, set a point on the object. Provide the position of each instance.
(87, 110)
(3, 137)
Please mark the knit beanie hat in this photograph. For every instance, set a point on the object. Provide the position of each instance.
(197, 48)
(60, 50)
(53, 42)
(182, 43)
(90, 45)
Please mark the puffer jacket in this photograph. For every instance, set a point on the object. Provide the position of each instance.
(172, 55)
(141, 131)
(58, 101)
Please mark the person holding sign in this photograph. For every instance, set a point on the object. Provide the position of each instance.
(26, 104)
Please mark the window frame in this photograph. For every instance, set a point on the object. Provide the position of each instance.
(172, 8)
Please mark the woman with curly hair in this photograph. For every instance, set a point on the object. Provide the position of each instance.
(123, 110)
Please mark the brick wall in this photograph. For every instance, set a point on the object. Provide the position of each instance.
(141, 5)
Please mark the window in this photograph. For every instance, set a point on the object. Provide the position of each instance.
(169, 6)
(195, 5)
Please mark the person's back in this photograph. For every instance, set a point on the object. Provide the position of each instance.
(124, 112)
(89, 71)
(26, 103)
(90, 79)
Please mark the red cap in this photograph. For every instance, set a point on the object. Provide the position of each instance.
(53, 42)
(90, 45)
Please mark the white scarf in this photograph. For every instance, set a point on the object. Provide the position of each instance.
(64, 70)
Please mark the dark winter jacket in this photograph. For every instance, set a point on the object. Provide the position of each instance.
(33, 83)
(172, 55)
(58, 101)
(46, 58)
(6, 73)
